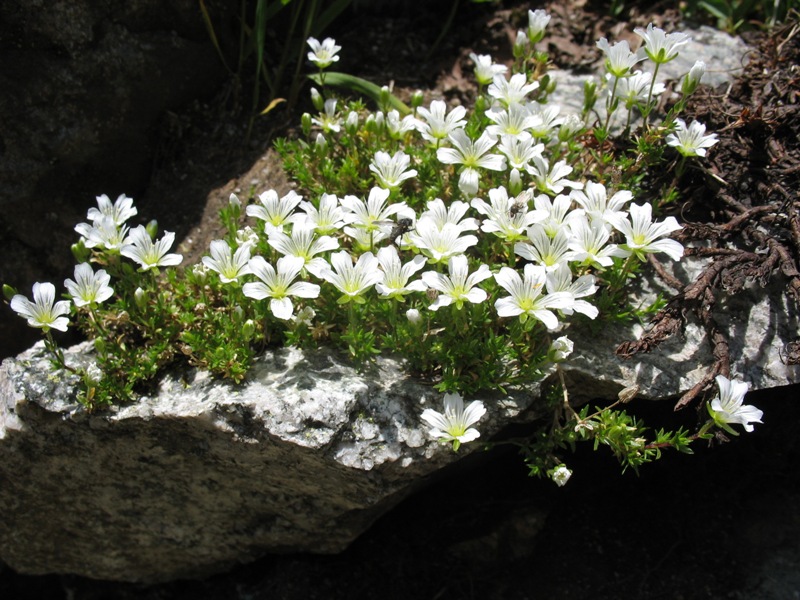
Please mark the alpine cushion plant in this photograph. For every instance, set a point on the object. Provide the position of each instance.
(465, 241)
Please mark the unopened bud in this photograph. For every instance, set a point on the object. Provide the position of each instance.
(351, 123)
(140, 298)
(8, 292)
(80, 252)
(384, 99)
(248, 330)
(152, 229)
(305, 124)
(570, 128)
(589, 94)
(413, 316)
(321, 144)
(316, 99)
(692, 79)
(521, 44)
(514, 182)
(238, 314)
(417, 98)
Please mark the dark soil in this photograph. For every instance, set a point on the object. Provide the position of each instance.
(721, 524)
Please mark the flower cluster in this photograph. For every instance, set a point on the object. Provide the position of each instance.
(464, 240)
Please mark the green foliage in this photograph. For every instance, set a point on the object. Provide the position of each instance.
(733, 15)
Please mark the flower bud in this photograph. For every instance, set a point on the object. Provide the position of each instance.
(316, 99)
(384, 98)
(100, 346)
(140, 298)
(514, 182)
(413, 315)
(248, 330)
(305, 124)
(321, 145)
(370, 125)
(351, 123)
(521, 44)
(152, 229)
(589, 94)
(692, 79)
(417, 98)
(537, 22)
(200, 273)
(570, 128)
(9, 292)
(238, 314)
(80, 251)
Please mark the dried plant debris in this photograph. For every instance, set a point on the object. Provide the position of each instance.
(743, 210)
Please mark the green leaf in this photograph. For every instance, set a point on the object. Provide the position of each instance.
(360, 86)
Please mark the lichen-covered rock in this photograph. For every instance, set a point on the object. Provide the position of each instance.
(302, 457)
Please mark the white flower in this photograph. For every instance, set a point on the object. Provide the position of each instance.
(89, 287)
(459, 286)
(560, 475)
(104, 233)
(440, 215)
(149, 255)
(589, 243)
(560, 280)
(352, 280)
(728, 407)
(691, 141)
(598, 206)
(369, 215)
(527, 297)
(514, 120)
(473, 155)
(544, 250)
(44, 312)
(507, 218)
(551, 180)
(454, 424)
(544, 119)
(304, 244)
(619, 58)
(278, 285)
(120, 211)
(560, 349)
(642, 234)
(661, 47)
(391, 171)
(229, 264)
(329, 217)
(323, 54)
(275, 212)
(511, 91)
(635, 89)
(394, 282)
(519, 150)
(537, 22)
(554, 214)
(436, 124)
(439, 244)
(485, 68)
(398, 127)
(246, 237)
(328, 119)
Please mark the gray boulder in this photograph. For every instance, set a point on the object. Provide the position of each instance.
(303, 456)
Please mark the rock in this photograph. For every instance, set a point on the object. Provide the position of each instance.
(303, 457)
(85, 90)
